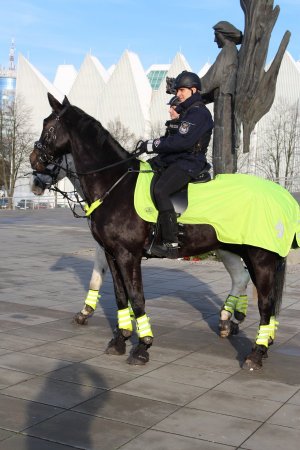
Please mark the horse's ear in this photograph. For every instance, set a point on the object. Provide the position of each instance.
(55, 105)
(66, 101)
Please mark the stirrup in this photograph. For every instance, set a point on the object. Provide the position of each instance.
(166, 250)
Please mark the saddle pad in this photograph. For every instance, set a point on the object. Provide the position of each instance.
(243, 209)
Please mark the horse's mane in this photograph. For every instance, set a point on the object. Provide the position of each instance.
(93, 128)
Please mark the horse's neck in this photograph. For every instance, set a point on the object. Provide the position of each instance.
(94, 150)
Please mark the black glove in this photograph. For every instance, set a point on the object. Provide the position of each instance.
(145, 147)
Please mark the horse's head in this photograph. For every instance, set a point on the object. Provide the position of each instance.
(52, 174)
(54, 140)
(69, 129)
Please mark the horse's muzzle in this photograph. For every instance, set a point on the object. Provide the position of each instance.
(40, 182)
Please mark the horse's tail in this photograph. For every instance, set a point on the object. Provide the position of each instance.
(278, 285)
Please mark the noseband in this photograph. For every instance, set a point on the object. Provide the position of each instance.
(49, 176)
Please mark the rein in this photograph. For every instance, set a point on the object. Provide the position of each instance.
(71, 172)
(99, 201)
(46, 157)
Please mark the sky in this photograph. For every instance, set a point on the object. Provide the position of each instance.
(53, 32)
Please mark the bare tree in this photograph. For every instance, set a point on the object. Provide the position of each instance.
(122, 134)
(157, 130)
(279, 145)
(15, 142)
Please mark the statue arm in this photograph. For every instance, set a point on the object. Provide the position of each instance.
(253, 83)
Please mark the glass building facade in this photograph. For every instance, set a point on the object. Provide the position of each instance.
(7, 90)
(155, 77)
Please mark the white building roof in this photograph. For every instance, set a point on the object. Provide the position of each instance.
(64, 78)
(288, 81)
(204, 69)
(32, 88)
(111, 69)
(127, 96)
(89, 85)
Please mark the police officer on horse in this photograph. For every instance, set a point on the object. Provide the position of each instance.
(181, 156)
(172, 124)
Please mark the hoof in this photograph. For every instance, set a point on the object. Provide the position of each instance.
(251, 365)
(228, 328)
(116, 347)
(81, 318)
(254, 360)
(240, 317)
(138, 356)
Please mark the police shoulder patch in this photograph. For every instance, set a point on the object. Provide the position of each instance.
(184, 127)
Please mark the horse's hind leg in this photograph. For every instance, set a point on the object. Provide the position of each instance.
(237, 301)
(123, 330)
(269, 271)
(91, 300)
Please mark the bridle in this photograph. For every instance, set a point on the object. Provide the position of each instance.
(42, 147)
(49, 178)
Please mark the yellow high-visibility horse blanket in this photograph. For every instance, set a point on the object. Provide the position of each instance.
(243, 209)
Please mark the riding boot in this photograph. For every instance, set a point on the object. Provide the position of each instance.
(167, 221)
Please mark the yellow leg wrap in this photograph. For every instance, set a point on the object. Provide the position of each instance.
(230, 303)
(242, 304)
(92, 298)
(263, 334)
(124, 319)
(131, 310)
(143, 326)
(273, 327)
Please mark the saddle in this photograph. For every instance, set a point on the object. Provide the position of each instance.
(180, 198)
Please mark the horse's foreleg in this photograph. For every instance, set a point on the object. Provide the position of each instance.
(96, 281)
(130, 268)
(237, 301)
(123, 330)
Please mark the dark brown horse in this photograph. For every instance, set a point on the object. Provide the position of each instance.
(109, 173)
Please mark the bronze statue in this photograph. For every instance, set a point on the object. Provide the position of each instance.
(220, 80)
(237, 83)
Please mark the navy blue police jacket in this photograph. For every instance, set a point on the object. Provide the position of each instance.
(187, 146)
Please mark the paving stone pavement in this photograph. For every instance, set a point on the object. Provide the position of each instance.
(59, 391)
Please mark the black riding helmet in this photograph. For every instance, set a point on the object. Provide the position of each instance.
(174, 101)
(187, 80)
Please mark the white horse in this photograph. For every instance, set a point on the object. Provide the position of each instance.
(236, 303)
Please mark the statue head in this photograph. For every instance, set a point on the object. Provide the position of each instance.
(226, 31)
